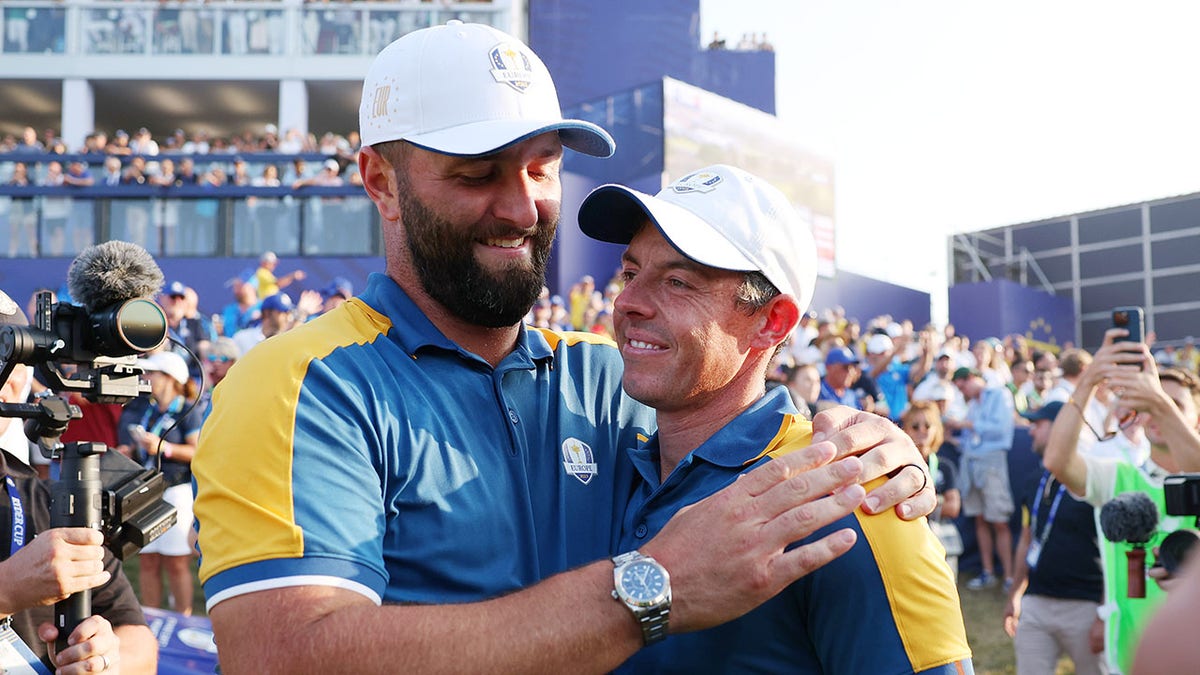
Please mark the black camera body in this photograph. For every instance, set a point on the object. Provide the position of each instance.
(1182, 494)
(98, 489)
(120, 497)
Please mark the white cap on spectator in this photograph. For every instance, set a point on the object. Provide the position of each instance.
(466, 89)
(879, 343)
(332, 164)
(166, 362)
(719, 216)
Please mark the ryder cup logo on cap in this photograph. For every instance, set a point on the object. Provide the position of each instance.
(701, 181)
(511, 66)
(466, 89)
(720, 216)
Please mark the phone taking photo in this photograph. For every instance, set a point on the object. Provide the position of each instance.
(1132, 320)
(136, 432)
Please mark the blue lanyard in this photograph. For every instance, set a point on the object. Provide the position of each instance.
(1053, 509)
(18, 517)
(165, 420)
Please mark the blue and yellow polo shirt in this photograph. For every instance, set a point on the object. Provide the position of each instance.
(889, 605)
(366, 450)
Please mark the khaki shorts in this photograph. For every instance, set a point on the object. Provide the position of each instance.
(983, 481)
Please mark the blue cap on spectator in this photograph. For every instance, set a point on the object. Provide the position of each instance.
(339, 286)
(840, 355)
(280, 302)
(1046, 412)
(556, 300)
(176, 289)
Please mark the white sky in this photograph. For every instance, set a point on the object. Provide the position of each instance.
(948, 116)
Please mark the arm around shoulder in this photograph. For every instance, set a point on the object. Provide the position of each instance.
(568, 623)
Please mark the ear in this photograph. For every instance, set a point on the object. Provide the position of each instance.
(379, 180)
(779, 319)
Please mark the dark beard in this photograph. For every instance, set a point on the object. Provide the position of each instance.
(443, 257)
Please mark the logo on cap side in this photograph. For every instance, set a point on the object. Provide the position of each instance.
(380, 107)
(701, 181)
(511, 66)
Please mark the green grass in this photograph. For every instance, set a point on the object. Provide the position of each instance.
(992, 649)
(131, 571)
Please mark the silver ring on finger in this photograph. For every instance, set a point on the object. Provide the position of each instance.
(107, 663)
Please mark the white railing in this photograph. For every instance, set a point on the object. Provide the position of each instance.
(195, 27)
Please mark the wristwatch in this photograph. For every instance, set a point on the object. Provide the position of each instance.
(644, 586)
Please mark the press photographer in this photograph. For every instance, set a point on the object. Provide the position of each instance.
(1168, 403)
(41, 565)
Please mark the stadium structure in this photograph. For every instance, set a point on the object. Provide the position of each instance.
(639, 69)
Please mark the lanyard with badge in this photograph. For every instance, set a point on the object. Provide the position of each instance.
(1035, 545)
(15, 656)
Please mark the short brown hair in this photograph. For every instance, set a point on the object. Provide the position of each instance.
(1073, 361)
(1183, 378)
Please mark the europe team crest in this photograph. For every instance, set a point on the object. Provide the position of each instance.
(511, 66)
(578, 460)
(701, 181)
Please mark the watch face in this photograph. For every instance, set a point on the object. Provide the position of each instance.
(643, 582)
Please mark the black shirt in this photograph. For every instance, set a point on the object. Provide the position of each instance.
(1069, 564)
(114, 601)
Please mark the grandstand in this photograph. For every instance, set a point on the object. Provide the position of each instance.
(273, 83)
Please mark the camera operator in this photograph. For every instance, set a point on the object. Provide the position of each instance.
(1170, 401)
(39, 566)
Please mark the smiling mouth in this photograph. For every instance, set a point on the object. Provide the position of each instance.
(515, 242)
(638, 344)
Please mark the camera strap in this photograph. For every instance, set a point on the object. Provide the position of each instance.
(18, 517)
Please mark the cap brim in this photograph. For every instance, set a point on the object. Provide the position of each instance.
(614, 213)
(484, 138)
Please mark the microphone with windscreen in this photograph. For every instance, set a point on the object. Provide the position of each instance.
(1131, 518)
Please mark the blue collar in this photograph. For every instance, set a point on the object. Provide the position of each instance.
(414, 332)
(743, 440)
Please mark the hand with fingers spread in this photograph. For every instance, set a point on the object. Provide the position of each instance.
(93, 647)
(884, 450)
(729, 552)
(54, 565)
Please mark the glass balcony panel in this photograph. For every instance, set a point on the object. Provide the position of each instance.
(339, 226)
(18, 227)
(34, 29)
(266, 224)
(133, 220)
(328, 30)
(188, 226)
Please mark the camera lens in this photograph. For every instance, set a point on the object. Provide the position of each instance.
(131, 327)
(1174, 549)
(1121, 318)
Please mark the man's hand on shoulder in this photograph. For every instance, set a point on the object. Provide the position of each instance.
(729, 553)
(884, 450)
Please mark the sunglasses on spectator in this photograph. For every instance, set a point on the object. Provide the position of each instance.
(214, 358)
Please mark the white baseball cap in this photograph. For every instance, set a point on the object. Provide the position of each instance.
(466, 89)
(166, 362)
(719, 216)
(879, 343)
